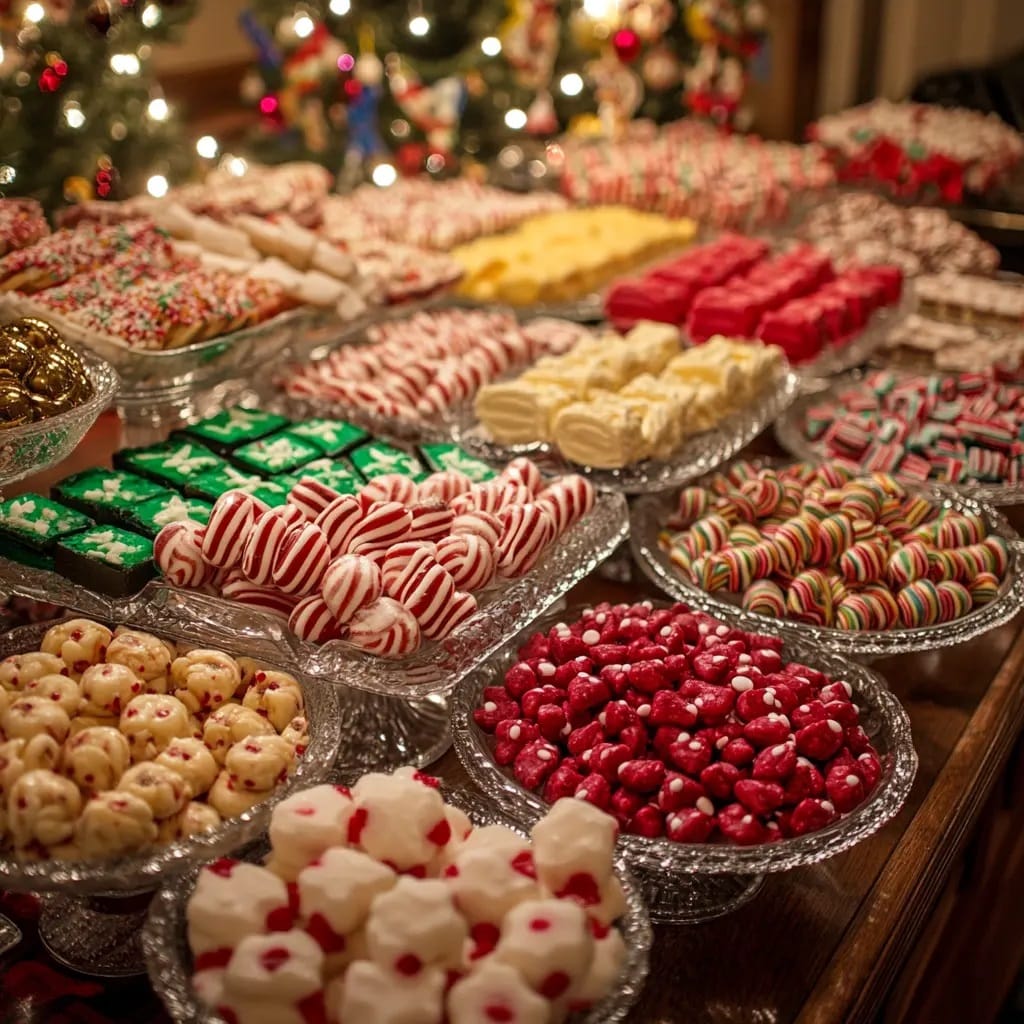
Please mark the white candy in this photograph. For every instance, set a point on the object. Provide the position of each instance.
(341, 887)
(369, 992)
(500, 986)
(575, 838)
(303, 826)
(487, 885)
(609, 956)
(611, 904)
(282, 967)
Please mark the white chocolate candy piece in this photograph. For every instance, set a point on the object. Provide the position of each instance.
(282, 967)
(19, 669)
(20, 756)
(28, 717)
(609, 956)
(495, 992)
(611, 903)
(335, 893)
(549, 943)
(487, 883)
(151, 720)
(62, 690)
(306, 824)
(114, 824)
(107, 689)
(191, 759)
(296, 733)
(415, 924)
(203, 680)
(276, 696)
(230, 800)
(95, 759)
(573, 848)
(233, 899)
(198, 818)
(78, 642)
(229, 724)
(146, 655)
(259, 762)
(42, 807)
(369, 992)
(163, 790)
(209, 986)
(82, 722)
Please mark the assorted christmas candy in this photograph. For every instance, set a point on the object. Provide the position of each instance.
(613, 400)
(925, 344)
(114, 741)
(680, 726)
(955, 429)
(826, 547)
(40, 376)
(978, 301)
(382, 903)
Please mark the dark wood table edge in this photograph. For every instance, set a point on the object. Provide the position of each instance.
(879, 939)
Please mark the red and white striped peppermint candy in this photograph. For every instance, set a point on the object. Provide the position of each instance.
(385, 628)
(264, 543)
(339, 520)
(398, 557)
(178, 554)
(431, 520)
(528, 530)
(428, 596)
(312, 620)
(311, 497)
(389, 487)
(227, 531)
(568, 500)
(469, 558)
(523, 471)
(267, 599)
(462, 607)
(350, 583)
(384, 523)
(483, 524)
(486, 497)
(302, 559)
(444, 485)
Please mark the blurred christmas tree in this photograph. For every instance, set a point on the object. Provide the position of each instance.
(80, 114)
(419, 83)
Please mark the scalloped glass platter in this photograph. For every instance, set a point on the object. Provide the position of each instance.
(145, 871)
(790, 433)
(674, 873)
(434, 668)
(169, 959)
(698, 454)
(649, 515)
(33, 447)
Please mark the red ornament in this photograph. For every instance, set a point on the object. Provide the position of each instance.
(627, 45)
(49, 80)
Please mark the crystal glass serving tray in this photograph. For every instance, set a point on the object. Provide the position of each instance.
(649, 515)
(32, 447)
(685, 881)
(697, 455)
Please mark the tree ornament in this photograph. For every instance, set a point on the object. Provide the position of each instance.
(435, 109)
(619, 92)
(627, 45)
(100, 17)
(78, 189)
(649, 19)
(364, 139)
(529, 40)
(661, 69)
(541, 118)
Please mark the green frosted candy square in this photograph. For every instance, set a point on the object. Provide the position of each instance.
(332, 437)
(279, 453)
(452, 457)
(377, 459)
(108, 490)
(175, 462)
(234, 427)
(337, 475)
(210, 486)
(111, 545)
(38, 523)
(150, 517)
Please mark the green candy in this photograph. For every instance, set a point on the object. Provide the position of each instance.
(452, 457)
(331, 437)
(37, 523)
(377, 459)
(279, 453)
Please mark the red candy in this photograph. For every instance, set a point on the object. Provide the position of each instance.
(178, 553)
(231, 521)
(302, 559)
(264, 543)
(312, 620)
(351, 582)
(383, 524)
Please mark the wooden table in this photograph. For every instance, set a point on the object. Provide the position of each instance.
(919, 923)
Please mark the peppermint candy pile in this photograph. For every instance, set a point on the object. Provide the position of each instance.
(420, 367)
(680, 726)
(385, 569)
(383, 905)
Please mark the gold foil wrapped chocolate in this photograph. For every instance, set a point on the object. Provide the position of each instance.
(40, 376)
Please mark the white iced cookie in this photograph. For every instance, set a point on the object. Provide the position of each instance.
(151, 720)
(283, 967)
(114, 824)
(369, 992)
(198, 818)
(487, 883)
(42, 807)
(415, 924)
(19, 669)
(495, 992)
(28, 717)
(164, 791)
(146, 655)
(609, 956)
(338, 890)
(296, 734)
(573, 844)
(230, 800)
(79, 643)
(204, 680)
(192, 760)
(276, 696)
(306, 824)
(20, 756)
(549, 943)
(62, 690)
(259, 762)
(229, 724)
(95, 759)
(106, 689)
(232, 899)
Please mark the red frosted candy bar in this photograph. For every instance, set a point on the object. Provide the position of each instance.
(796, 329)
(663, 300)
(725, 311)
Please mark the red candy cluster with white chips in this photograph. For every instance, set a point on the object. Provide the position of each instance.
(681, 726)
(386, 569)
